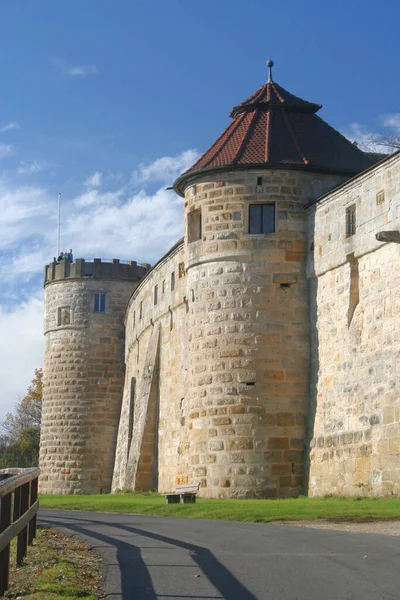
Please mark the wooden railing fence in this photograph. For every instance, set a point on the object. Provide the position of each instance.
(18, 508)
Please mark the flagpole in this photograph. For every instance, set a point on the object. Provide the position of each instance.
(59, 225)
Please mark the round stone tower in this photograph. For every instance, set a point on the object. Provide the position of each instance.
(249, 327)
(83, 372)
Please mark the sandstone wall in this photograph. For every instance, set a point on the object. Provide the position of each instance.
(355, 287)
(83, 381)
(249, 333)
(221, 365)
(155, 458)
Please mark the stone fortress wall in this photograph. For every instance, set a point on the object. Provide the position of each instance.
(217, 379)
(355, 283)
(83, 373)
(151, 451)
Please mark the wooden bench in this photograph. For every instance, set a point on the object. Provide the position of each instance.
(184, 494)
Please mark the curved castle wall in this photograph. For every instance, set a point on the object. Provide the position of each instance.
(249, 352)
(153, 449)
(217, 379)
(83, 373)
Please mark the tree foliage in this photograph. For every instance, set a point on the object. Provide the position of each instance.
(19, 444)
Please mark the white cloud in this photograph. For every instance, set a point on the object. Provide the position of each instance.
(392, 121)
(25, 212)
(21, 350)
(366, 139)
(9, 126)
(371, 141)
(31, 168)
(165, 169)
(94, 180)
(124, 222)
(5, 150)
(81, 70)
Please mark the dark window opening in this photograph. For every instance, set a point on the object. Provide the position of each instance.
(262, 218)
(172, 281)
(259, 180)
(141, 310)
(250, 384)
(285, 286)
(99, 303)
(194, 226)
(351, 220)
(131, 411)
(155, 294)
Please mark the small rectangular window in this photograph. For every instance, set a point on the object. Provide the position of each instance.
(259, 180)
(63, 315)
(194, 226)
(141, 309)
(262, 218)
(172, 281)
(350, 220)
(99, 303)
(155, 294)
(163, 286)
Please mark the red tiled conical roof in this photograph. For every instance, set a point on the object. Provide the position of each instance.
(275, 129)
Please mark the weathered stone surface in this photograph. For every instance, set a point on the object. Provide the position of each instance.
(355, 378)
(83, 382)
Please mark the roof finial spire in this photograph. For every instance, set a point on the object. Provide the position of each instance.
(270, 64)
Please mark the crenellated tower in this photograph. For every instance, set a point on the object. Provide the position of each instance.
(83, 372)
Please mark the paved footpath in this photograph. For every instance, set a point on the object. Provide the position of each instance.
(148, 557)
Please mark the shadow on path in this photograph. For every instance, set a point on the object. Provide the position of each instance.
(136, 581)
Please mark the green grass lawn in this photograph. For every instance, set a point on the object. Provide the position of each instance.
(257, 511)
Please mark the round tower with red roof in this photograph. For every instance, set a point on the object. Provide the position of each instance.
(249, 331)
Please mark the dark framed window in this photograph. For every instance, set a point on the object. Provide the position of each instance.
(141, 310)
(172, 281)
(99, 303)
(262, 218)
(351, 220)
(155, 294)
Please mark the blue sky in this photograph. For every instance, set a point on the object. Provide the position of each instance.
(107, 101)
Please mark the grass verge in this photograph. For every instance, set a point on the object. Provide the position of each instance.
(56, 567)
(258, 511)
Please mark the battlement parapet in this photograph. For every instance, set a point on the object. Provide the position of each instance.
(80, 268)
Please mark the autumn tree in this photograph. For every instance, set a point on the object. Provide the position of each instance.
(19, 444)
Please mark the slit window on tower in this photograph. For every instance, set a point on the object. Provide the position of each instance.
(155, 294)
(261, 218)
(172, 281)
(99, 303)
(131, 411)
(194, 226)
(350, 220)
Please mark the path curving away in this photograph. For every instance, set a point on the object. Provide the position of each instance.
(150, 557)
